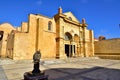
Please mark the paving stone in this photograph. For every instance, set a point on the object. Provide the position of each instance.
(2, 74)
(69, 69)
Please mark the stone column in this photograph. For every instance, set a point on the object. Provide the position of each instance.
(72, 43)
(84, 25)
(80, 41)
(84, 41)
(73, 54)
(70, 50)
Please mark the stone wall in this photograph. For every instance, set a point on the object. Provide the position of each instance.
(10, 45)
(35, 37)
(89, 43)
(46, 38)
(23, 48)
(6, 28)
(108, 48)
(35, 34)
(85, 43)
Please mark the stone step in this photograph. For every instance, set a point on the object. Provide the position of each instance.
(115, 57)
(107, 53)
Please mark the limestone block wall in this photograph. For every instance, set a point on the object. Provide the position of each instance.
(86, 47)
(10, 45)
(74, 31)
(70, 27)
(24, 47)
(24, 27)
(19, 28)
(44, 21)
(89, 40)
(35, 34)
(46, 38)
(38, 37)
(48, 45)
(7, 28)
(108, 48)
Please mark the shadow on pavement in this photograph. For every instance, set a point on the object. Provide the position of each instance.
(2, 74)
(95, 73)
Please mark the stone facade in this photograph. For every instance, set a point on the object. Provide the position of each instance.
(108, 48)
(6, 28)
(59, 37)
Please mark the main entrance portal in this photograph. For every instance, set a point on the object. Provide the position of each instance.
(69, 50)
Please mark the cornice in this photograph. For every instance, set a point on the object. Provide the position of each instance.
(72, 22)
(57, 16)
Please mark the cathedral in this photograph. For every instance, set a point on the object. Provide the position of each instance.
(62, 36)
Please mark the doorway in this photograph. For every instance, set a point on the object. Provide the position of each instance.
(68, 50)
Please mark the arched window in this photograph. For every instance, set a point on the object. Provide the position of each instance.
(50, 25)
(68, 36)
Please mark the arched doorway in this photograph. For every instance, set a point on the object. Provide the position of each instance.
(68, 46)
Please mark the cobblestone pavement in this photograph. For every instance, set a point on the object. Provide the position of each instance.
(64, 69)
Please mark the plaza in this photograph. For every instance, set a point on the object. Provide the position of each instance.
(63, 69)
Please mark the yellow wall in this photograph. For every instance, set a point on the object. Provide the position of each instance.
(34, 35)
(7, 28)
(107, 46)
(108, 49)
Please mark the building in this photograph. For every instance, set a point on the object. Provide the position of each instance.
(5, 30)
(108, 49)
(59, 37)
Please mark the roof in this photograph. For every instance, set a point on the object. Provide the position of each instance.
(70, 14)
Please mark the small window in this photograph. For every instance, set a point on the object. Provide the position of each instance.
(70, 18)
(49, 25)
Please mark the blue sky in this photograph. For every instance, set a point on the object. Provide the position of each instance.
(102, 16)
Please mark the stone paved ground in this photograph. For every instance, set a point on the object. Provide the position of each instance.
(69, 69)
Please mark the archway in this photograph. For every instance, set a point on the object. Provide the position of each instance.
(68, 46)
